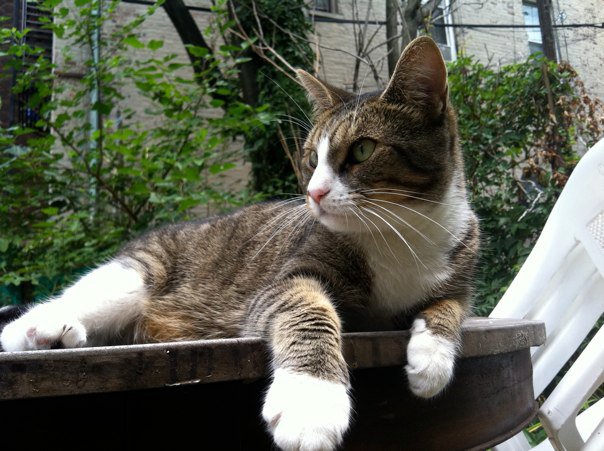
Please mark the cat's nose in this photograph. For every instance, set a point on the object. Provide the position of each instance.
(318, 193)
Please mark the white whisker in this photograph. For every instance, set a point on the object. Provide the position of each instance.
(282, 203)
(296, 213)
(413, 253)
(301, 221)
(402, 193)
(401, 221)
(406, 207)
(275, 219)
(382, 235)
(296, 121)
(288, 95)
(367, 226)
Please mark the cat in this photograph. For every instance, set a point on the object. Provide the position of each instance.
(383, 232)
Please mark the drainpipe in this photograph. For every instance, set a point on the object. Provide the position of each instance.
(94, 94)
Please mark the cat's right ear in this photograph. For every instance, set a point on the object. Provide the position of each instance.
(420, 77)
(323, 95)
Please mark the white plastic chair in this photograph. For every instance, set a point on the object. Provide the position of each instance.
(562, 284)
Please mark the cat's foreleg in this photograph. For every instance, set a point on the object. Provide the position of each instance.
(433, 347)
(307, 406)
(101, 304)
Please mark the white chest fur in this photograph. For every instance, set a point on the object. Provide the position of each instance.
(407, 266)
(402, 282)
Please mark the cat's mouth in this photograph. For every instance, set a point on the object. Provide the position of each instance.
(331, 216)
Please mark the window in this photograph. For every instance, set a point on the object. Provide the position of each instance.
(328, 6)
(443, 35)
(531, 17)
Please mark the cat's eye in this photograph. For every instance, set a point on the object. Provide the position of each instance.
(313, 159)
(362, 150)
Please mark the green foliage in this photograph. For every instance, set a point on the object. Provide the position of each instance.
(96, 167)
(520, 127)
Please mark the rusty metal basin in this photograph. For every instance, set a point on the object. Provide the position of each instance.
(143, 395)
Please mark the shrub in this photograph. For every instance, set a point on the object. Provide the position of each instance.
(90, 171)
(523, 128)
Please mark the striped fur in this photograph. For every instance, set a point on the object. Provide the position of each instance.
(381, 236)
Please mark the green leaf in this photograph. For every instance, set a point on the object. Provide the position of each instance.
(155, 44)
(230, 48)
(185, 204)
(50, 211)
(134, 42)
(197, 51)
(221, 167)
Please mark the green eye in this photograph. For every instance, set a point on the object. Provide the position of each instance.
(313, 159)
(363, 149)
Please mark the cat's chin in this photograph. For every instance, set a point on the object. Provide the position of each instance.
(339, 223)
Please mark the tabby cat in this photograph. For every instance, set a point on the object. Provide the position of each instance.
(383, 232)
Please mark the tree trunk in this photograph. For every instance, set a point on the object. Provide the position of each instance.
(188, 31)
(392, 35)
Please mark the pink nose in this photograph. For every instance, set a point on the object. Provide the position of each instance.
(318, 193)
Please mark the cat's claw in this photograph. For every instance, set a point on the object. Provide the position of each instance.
(37, 331)
(306, 413)
(430, 361)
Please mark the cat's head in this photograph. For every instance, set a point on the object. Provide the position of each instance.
(372, 155)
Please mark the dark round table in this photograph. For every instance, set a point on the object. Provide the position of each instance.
(144, 395)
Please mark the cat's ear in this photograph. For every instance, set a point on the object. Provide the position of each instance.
(420, 77)
(322, 95)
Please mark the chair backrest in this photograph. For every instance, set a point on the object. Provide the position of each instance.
(562, 281)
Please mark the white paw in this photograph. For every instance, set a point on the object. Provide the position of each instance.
(42, 328)
(430, 361)
(304, 412)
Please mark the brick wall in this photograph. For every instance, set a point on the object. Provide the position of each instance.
(491, 45)
(334, 44)
(583, 48)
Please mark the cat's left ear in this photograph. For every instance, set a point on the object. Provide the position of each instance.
(323, 95)
(420, 77)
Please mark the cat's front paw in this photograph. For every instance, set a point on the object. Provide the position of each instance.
(41, 329)
(304, 412)
(430, 361)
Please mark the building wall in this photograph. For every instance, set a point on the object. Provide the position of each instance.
(334, 45)
(491, 45)
(583, 48)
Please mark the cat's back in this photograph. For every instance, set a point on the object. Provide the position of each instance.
(195, 271)
(254, 235)
(247, 250)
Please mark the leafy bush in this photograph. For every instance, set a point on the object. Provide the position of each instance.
(523, 128)
(91, 171)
